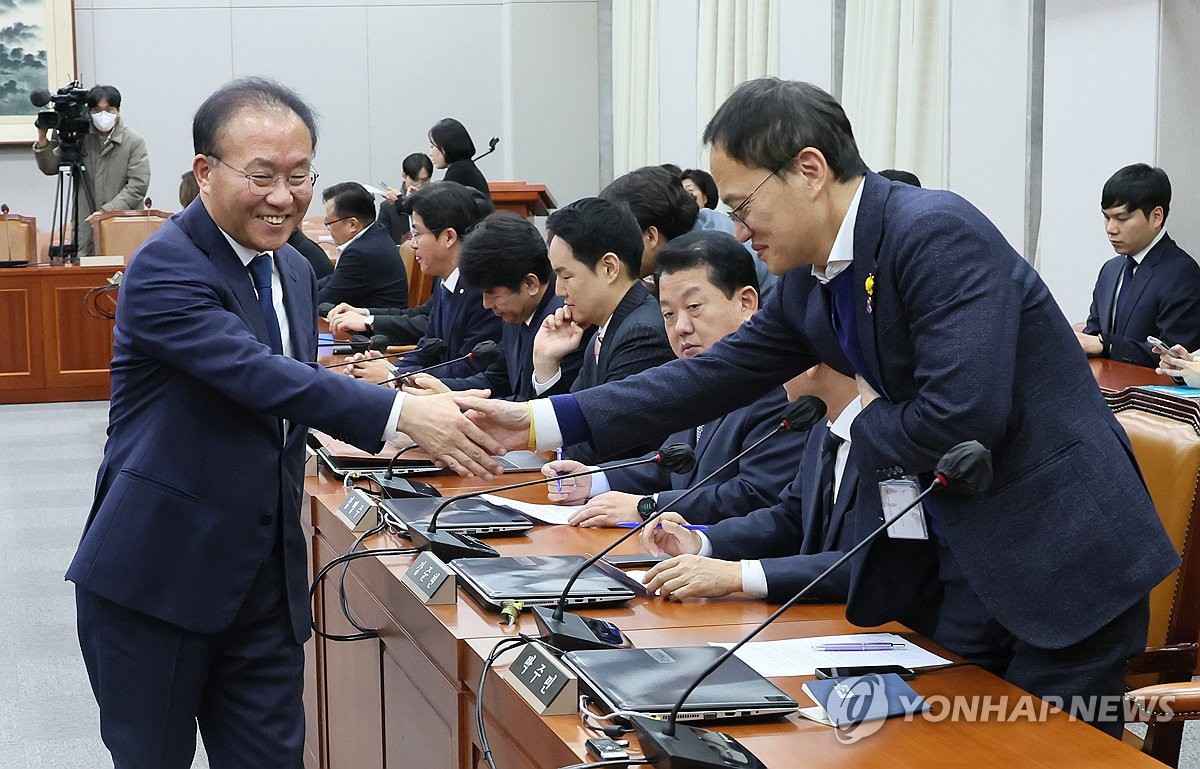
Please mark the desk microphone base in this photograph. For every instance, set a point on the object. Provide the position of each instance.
(449, 545)
(690, 748)
(576, 633)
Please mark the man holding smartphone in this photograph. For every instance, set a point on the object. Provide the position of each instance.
(1152, 286)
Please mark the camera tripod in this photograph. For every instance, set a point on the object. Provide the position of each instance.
(73, 178)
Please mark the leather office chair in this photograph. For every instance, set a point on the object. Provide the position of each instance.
(18, 240)
(120, 233)
(1165, 433)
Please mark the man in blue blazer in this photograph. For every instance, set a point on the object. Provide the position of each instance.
(1152, 288)
(1044, 578)
(775, 551)
(707, 290)
(505, 258)
(608, 313)
(369, 270)
(442, 215)
(191, 575)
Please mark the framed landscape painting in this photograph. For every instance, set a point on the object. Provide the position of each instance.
(37, 51)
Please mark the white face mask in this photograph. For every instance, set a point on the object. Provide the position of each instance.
(104, 121)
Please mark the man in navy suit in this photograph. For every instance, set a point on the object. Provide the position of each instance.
(1152, 288)
(442, 215)
(596, 253)
(505, 258)
(707, 290)
(191, 576)
(1043, 579)
(775, 551)
(369, 270)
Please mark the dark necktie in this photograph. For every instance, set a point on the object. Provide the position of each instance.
(260, 272)
(842, 312)
(829, 451)
(1123, 292)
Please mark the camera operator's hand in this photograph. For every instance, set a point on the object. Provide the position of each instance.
(42, 139)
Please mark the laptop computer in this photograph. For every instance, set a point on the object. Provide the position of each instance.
(464, 516)
(649, 681)
(342, 458)
(538, 580)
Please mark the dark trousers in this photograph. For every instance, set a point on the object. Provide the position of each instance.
(155, 682)
(1077, 675)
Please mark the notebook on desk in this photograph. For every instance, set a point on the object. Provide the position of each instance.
(538, 580)
(650, 681)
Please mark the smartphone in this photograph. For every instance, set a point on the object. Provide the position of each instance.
(1164, 347)
(866, 670)
(635, 560)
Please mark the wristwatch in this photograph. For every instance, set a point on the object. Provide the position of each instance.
(647, 507)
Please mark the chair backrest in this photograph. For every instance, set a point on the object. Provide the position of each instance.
(314, 227)
(18, 241)
(1165, 434)
(119, 233)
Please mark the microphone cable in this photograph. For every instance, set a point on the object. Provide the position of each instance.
(319, 577)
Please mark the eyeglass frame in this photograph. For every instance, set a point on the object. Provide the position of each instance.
(332, 222)
(262, 191)
(736, 214)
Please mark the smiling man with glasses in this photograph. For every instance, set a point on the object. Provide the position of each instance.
(191, 575)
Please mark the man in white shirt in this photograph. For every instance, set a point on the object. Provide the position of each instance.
(775, 551)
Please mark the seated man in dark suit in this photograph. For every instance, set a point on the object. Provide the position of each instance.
(596, 252)
(442, 214)
(369, 270)
(400, 326)
(664, 210)
(1152, 288)
(707, 290)
(775, 551)
(505, 258)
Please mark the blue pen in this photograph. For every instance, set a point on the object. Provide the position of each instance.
(558, 456)
(688, 526)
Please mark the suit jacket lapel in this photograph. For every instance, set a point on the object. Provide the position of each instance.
(298, 323)
(868, 236)
(847, 497)
(1106, 293)
(207, 236)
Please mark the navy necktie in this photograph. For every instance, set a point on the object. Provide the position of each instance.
(829, 451)
(840, 293)
(260, 272)
(1123, 292)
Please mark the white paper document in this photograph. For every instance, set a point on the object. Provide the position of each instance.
(375, 190)
(553, 514)
(797, 657)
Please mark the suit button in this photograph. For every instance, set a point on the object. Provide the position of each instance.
(265, 520)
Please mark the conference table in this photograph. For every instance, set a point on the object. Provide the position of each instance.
(407, 698)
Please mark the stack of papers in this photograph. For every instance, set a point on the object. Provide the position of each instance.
(798, 657)
(553, 514)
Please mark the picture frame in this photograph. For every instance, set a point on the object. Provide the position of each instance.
(37, 51)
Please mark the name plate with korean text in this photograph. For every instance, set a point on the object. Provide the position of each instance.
(545, 683)
(431, 580)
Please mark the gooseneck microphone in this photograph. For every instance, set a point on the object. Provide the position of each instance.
(966, 469)
(572, 632)
(482, 355)
(432, 345)
(448, 545)
(491, 148)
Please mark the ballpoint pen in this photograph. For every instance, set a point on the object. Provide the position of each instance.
(688, 526)
(864, 646)
(558, 456)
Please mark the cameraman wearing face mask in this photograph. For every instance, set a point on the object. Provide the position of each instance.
(114, 156)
